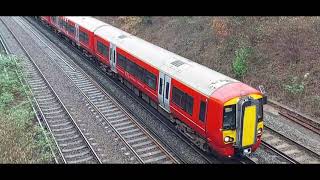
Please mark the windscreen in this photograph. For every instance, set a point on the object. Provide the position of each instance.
(229, 117)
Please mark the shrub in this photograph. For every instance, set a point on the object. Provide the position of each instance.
(239, 65)
(296, 85)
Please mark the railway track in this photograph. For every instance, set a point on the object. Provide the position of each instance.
(288, 149)
(3, 48)
(72, 145)
(110, 113)
(208, 157)
(35, 107)
(303, 120)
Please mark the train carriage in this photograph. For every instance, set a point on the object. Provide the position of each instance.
(185, 90)
(130, 67)
(215, 111)
(81, 31)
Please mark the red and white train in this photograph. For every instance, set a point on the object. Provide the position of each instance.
(215, 111)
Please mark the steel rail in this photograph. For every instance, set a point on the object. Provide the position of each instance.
(59, 101)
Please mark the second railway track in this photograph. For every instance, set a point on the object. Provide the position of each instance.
(303, 120)
(288, 149)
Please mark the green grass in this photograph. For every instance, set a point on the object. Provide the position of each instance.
(22, 139)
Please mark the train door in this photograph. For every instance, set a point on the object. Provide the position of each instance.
(113, 57)
(246, 123)
(164, 91)
(77, 34)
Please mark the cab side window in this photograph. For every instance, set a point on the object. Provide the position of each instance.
(202, 113)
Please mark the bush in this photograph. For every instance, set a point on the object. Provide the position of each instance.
(239, 65)
(296, 85)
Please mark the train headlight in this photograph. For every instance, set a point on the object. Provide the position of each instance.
(226, 139)
(259, 131)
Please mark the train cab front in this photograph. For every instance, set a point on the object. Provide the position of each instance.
(242, 124)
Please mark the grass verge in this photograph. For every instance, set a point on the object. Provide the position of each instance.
(21, 137)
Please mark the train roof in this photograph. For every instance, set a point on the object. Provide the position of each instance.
(190, 73)
(86, 22)
(186, 71)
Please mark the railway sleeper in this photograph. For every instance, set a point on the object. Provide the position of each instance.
(107, 109)
(53, 112)
(135, 140)
(83, 160)
(105, 104)
(71, 144)
(122, 124)
(65, 134)
(149, 154)
(142, 144)
(61, 124)
(155, 159)
(112, 118)
(147, 148)
(114, 113)
(66, 128)
(133, 135)
(78, 154)
(126, 127)
(51, 108)
(68, 138)
(57, 121)
(60, 116)
(129, 131)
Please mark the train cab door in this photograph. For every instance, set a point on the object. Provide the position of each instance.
(113, 57)
(164, 91)
(77, 34)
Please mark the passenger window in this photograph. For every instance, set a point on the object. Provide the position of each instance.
(140, 73)
(167, 90)
(160, 89)
(182, 99)
(189, 104)
(83, 37)
(150, 79)
(177, 97)
(121, 61)
(202, 113)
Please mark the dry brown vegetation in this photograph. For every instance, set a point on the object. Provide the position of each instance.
(283, 49)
